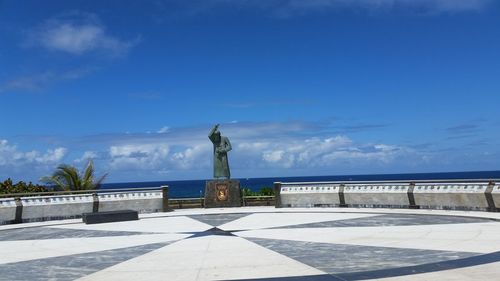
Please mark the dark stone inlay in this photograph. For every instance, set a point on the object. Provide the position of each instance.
(424, 268)
(210, 232)
(324, 277)
(39, 233)
(73, 266)
(217, 219)
(391, 220)
(350, 260)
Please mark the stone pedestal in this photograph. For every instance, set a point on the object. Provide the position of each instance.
(222, 193)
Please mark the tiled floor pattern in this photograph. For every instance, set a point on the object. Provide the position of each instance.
(285, 246)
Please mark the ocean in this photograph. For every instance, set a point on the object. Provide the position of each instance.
(195, 188)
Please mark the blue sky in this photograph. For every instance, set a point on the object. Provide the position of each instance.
(317, 87)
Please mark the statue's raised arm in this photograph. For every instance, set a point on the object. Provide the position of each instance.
(213, 133)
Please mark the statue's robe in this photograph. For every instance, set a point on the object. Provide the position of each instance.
(221, 147)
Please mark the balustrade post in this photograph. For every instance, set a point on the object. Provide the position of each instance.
(277, 197)
(489, 197)
(165, 205)
(411, 197)
(19, 210)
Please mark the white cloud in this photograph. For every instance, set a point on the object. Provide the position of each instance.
(455, 5)
(51, 156)
(259, 149)
(86, 156)
(39, 81)
(256, 147)
(74, 39)
(10, 156)
(163, 130)
(78, 33)
(138, 156)
(159, 157)
(28, 83)
(441, 5)
(273, 156)
(289, 8)
(194, 157)
(194, 152)
(319, 152)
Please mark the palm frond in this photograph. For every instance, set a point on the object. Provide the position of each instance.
(51, 180)
(97, 183)
(88, 176)
(67, 177)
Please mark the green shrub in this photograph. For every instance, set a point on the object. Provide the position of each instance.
(8, 187)
(264, 191)
(247, 192)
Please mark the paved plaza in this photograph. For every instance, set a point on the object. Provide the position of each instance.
(259, 243)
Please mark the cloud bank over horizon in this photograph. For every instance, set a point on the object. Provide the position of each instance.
(259, 150)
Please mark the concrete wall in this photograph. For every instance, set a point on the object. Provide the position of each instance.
(376, 195)
(38, 208)
(451, 195)
(143, 202)
(7, 210)
(53, 207)
(459, 195)
(310, 195)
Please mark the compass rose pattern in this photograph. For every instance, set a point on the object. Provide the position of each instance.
(257, 244)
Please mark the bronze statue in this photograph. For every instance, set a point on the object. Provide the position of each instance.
(221, 147)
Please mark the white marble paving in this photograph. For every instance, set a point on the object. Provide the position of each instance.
(206, 258)
(258, 221)
(270, 209)
(219, 257)
(470, 237)
(23, 250)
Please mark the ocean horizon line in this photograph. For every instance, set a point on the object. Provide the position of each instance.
(465, 173)
(196, 188)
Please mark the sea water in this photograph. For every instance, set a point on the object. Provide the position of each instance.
(195, 188)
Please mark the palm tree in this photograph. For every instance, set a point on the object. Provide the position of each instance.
(67, 177)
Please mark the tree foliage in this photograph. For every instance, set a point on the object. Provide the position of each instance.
(67, 177)
(7, 187)
(264, 191)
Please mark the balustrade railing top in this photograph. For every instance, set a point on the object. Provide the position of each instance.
(69, 192)
(395, 181)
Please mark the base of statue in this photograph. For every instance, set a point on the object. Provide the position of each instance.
(222, 194)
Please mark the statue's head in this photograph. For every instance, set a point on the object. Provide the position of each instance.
(217, 136)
